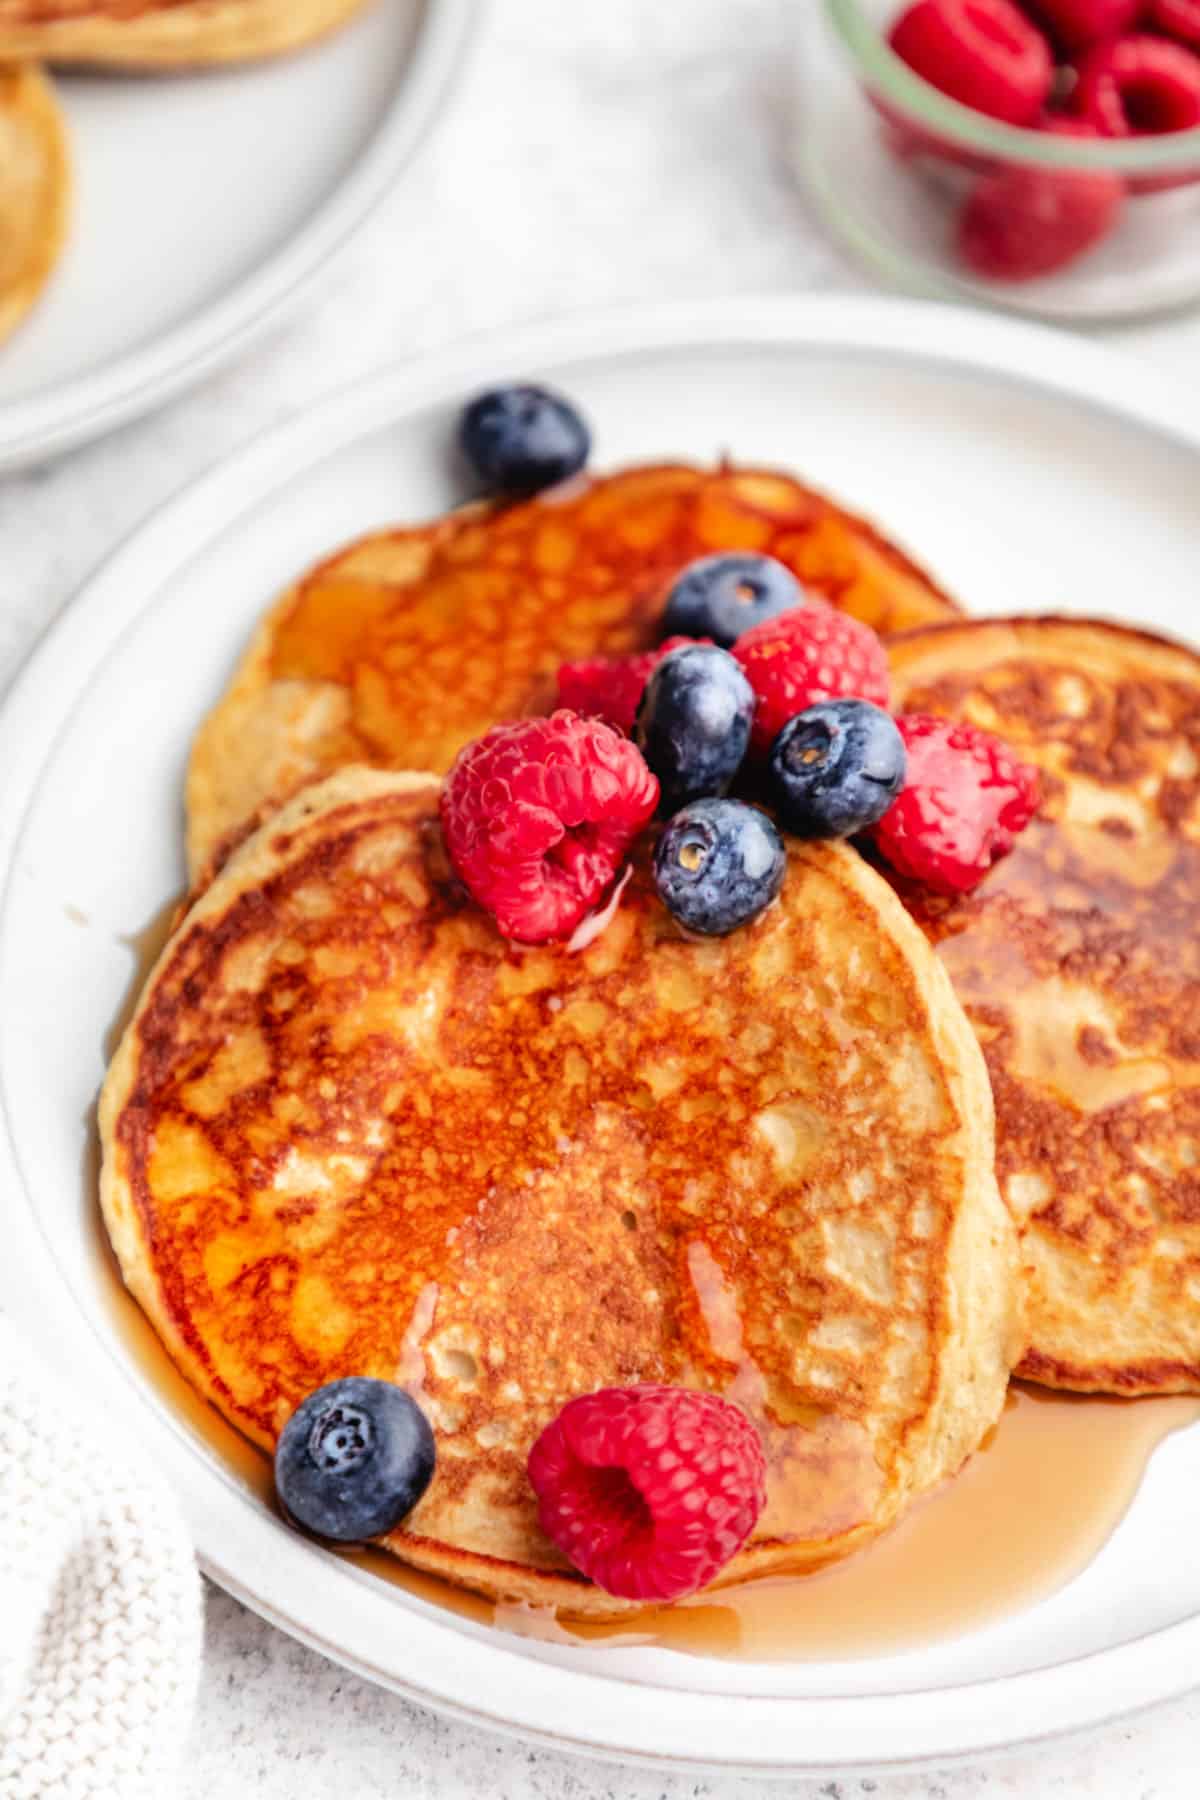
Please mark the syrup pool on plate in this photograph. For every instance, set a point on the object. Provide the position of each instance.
(1071, 1463)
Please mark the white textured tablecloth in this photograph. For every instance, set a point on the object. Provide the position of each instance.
(100, 1621)
(596, 151)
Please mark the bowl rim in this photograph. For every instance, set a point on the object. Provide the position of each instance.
(890, 78)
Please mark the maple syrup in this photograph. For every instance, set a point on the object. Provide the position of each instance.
(1027, 1514)
(1029, 1511)
(249, 1466)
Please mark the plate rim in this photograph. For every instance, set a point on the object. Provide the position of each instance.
(72, 412)
(474, 1675)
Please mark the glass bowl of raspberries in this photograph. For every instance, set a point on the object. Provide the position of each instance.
(1038, 154)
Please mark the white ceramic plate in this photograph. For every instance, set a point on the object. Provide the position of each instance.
(1030, 471)
(204, 204)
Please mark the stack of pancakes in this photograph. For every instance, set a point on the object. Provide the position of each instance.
(351, 1130)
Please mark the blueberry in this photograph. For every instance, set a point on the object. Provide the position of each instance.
(521, 439)
(836, 768)
(353, 1459)
(693, 723)
(718, 864)
(722, 596)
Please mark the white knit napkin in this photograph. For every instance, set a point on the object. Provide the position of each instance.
(99, 1602)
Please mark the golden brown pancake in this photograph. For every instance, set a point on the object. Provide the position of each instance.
(1078, 961)
(351, 1130)
(35, 187)
(165, 33)
(411, 643)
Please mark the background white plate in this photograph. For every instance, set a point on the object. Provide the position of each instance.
(204, 203)
(1030, 471)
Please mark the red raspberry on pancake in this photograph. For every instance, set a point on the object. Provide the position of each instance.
(538, 817)
(811, 653)
(610, 687)
(649, 1490)
(965, 800)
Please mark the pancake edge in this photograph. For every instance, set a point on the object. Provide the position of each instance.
(1049, 1365)
(37, 104)
(180, 37)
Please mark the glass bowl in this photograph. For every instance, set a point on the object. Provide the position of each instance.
(893, 166)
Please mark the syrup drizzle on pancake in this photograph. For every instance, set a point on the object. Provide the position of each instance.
(351, 1131)
(408, 644)
(972, 1553)
(925, 1581)
(1078, 961)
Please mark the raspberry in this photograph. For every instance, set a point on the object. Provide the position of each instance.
(1178, 18)
(610, 687)
(538, 817)
(1139, 86)
(1021, 222)
(1076, 24)
(983, 53)
(811, 653)
(964, 802)
(649, 1490)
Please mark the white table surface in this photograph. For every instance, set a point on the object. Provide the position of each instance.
(595, 151)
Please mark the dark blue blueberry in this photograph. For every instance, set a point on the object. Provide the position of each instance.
(836, 768)
(718, 863)
(353, 1459)
(521, 439)
(693, 723)
(722, 596)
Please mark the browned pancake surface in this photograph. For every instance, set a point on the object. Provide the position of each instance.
(1078, 961)
(352, 1131)
(410, 643)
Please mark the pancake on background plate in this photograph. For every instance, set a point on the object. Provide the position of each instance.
(35, 190)
(410, 643)
(1078, 961)
(351, 1130)
(165, 33)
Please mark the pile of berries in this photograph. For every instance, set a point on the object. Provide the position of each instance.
(772, 687)
(1075, 68)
